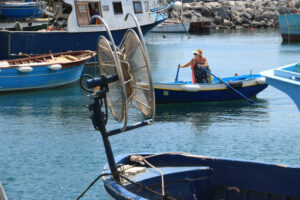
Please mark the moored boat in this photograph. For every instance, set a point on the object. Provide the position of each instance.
(43, 71)
(2, 192)
(172, 27)
(289, 27)
(286, 79)
(289, 24)
(20, 10)
(171, 175)
(80, 30)
(175, 176)
(182, 92)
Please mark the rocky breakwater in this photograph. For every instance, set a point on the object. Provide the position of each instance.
(234, 14)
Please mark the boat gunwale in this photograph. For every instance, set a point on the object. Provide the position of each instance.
(207, 86)
(87, 55)
(124, 159)
(270, 73)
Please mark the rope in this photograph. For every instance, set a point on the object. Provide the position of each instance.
(166, 197)
(36, 7)
(289, 31)
(139, 159)
(106, 174)
(292, 8)
(162, 176)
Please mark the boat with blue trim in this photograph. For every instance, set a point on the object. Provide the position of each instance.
(286, 79)
(21, 10)
(289, 27)
(80, 30)
(175, 176)
(289, 24)
(2, 193)
(43, 71)
(185, 91)
(125, 83)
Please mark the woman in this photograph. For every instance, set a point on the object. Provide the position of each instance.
(199, 75)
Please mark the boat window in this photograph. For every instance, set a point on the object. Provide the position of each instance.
(85, 11)
(146, 6)
(137, 5)
(94, 9)
(118, 8)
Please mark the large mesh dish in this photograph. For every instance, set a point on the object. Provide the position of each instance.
(108, 66)
(143, 93)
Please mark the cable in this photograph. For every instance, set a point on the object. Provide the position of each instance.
(105, 174)
(165, 197)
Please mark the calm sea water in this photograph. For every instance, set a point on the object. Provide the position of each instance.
(49, 149)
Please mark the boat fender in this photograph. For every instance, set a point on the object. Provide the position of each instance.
(55, 67)
(191, 88)
(25, 69)
(4, 64)
(236, 84)
(261, 81)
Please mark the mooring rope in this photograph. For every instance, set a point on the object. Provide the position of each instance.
(165, 196)
(81, 195)
(140, 159)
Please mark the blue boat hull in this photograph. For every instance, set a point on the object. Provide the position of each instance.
(165, 95)
(290, 89)
(32, 42)
(41, 77)
(290, 27)
(192, 177)
(21, 10)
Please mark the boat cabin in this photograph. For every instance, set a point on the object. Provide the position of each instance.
(71, 27)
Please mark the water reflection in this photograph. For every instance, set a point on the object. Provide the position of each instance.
(202, 115)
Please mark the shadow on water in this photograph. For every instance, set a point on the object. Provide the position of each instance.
(67, 96)
(58, 102)
(204, 114)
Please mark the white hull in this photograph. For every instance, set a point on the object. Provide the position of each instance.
(286, 81)
(171, 28)
(2, 193)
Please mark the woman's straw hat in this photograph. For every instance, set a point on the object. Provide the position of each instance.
(198, 52)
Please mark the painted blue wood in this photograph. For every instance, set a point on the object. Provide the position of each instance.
(32, 42)
(41, 77)
(195, 177)
(20, 10)
(174, 96)
(286, 79)
(289, 27)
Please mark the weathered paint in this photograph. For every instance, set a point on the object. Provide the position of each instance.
(209, 178)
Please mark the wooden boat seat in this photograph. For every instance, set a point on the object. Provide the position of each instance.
(62, 59)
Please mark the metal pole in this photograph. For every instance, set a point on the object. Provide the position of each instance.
(108, 149)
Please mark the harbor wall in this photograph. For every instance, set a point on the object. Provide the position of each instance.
(234, 14)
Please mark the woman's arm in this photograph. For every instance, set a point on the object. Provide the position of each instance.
(187, 64)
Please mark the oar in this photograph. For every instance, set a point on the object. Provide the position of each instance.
(250, 100)
(176, 78)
